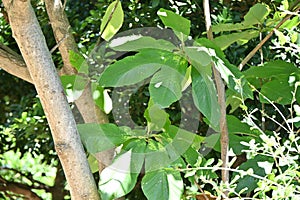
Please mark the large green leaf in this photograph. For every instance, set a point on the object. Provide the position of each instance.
(277, 69)
(248, 181)
(101, 137)
(134, 69)
(230, 73)
(137, 42)
(230, 27)
(198, 56)
(256, 14)
(166, 85)
(278, 91)
(162, 185)
(174, 21)
(205, 97)
(112, 20)
(225, 41)
(120, 177)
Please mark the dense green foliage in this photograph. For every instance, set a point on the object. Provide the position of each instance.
(157, 86)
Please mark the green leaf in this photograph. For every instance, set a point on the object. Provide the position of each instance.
(101, 98)
(256, 14)
(101, 137)
(198, 55)
(277, 69)
(156, 156)
(278, 91)
(230, 27)
(120, 177)
(138, 42)
(243, 37)
(78, 62)
(205, 97)
(112, 20)
(174, 21)
(134, 69)
(156, 117)
(166, 85)
(230, 73)
(162, 185)
(73, 85)
(236, 83)
(248, 181)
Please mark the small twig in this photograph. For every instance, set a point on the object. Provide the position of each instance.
(59, 42)
(224, 140)
(262, 42)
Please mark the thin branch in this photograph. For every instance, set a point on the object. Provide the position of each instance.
(224, 140)
(262, 42)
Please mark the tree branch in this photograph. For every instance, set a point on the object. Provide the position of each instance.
(18, 188)
(13, 63)
(262, 42)
(224, 140)
(33, 47)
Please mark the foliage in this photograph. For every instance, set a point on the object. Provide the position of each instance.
(159, 152)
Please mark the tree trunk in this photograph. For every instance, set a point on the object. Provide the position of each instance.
(32, 44)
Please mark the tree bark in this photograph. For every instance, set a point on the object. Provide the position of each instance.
(66, 43)
(32, 44)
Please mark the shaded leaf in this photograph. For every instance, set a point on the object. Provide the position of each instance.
(156, 117)
(225, 41)
(101, 137)
(162, 185)
(134, 69)
(205, 97)
(166, 85)
(120, 177)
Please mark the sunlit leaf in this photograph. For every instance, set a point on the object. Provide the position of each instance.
(112, 20)
(137, 42)
(174, 21)
(256, 14)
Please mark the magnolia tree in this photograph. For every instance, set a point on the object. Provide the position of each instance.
(164, 155)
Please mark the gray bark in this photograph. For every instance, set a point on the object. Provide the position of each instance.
(32, 44)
